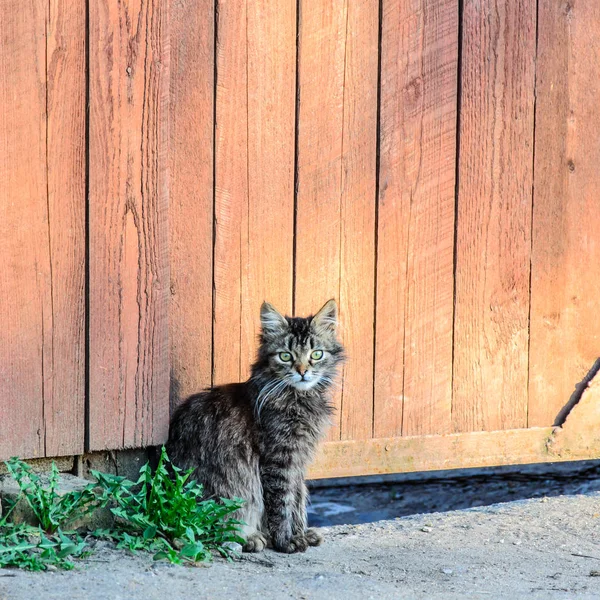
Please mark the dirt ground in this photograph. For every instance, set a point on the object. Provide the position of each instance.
(388, 497)
(538, 548)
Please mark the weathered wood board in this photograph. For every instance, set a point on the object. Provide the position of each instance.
(413, 359)
(493, 227)
(42, 228)
(128, 224)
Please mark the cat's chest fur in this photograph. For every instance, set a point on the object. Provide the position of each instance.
(292, 428)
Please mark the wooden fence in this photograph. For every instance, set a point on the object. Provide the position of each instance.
(166, 166)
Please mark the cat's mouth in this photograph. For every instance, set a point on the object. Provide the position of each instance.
(304, 384)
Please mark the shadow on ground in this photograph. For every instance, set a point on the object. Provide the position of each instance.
(366, 500)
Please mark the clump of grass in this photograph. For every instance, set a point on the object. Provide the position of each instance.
(51, 509)
(47, 545)
(30, 548)
(162, 512)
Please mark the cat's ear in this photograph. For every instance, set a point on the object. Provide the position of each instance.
(326, 320)
(272, 322)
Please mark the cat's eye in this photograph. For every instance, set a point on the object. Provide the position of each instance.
(317, 354)
(285, 356)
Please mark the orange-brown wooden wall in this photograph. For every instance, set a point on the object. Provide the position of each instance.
(167, 165)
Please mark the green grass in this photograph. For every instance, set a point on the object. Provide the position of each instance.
(162, 512)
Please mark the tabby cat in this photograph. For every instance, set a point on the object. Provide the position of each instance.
(254, 440)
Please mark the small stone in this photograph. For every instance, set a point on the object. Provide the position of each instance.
(233, 547)
(594, 573)
(447, 571)
(427, 529)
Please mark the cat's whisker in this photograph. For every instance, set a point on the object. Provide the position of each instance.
(275, 390)
(268, 391)
(328, 382)
(263, 397)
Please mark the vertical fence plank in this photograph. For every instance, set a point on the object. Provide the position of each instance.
(25, 318)
(267, 255)
(565, 329)
(231, 187)
(413, 375)
(66, 148)
(254, 195)
(191, 111)
(322, 49)
(494, 215)
(358, 199)
(128, 228)
(41, 228)
(336, 187)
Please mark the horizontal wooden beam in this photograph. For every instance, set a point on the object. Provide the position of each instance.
(431, 452)
(577, 439)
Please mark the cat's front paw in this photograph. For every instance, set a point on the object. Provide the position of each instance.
(255, 542)
(313, 537)
(297, 543)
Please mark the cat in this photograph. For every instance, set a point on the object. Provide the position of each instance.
(254, 440)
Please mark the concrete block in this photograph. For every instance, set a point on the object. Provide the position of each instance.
(126, 463)
(22, 513)
(41, 465)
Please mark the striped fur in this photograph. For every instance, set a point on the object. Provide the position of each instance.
(254, 440)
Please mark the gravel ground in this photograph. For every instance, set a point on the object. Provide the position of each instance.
(538, 548)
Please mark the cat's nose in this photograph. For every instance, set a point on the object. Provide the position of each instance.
(301, 370)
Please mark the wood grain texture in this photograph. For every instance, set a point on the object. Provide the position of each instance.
(231, 188)
(254, 201)
(66, 148)
(579, 436)
(336, 188)
(358, 199)
(25, 282)
(565, 279)
(191, 121)
(413, 374)
(41, 229)
(322, 52)
(128, 227)
(577, 439)
(434, 452)
(494, 215)
(267, 254)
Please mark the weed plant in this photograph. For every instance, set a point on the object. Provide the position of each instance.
(163, 512)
